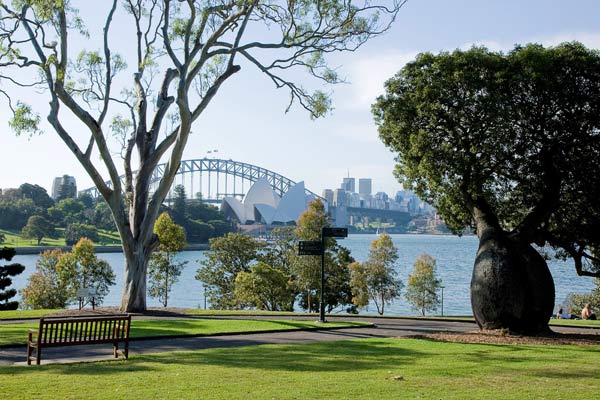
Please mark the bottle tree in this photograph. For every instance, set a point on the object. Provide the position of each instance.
(6, 271)
(506, 145)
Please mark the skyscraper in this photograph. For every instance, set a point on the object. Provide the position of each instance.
(349, 185)
(364, 186)
(328, 196)
(64, 187)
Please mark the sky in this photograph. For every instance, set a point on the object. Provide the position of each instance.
(247, 121)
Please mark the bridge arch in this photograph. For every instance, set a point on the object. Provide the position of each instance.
(217, 178)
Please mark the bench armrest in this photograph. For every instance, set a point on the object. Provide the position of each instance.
(30, 333)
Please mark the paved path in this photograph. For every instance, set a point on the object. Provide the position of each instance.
(384, 328)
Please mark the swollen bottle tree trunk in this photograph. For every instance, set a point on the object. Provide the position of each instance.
(511, 287)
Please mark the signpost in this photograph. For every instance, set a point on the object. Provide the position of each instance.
(335, 232)
(315, 248)
(310, 248)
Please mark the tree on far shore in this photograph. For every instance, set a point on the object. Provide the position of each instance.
(38, 227)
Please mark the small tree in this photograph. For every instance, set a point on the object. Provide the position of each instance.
(163, 270)
(37, 228)
(376, 279)
(6, 271)
(45, 287)
(423, 285)
(228, 256)
(265, 288)
(74, 232)
(83, 270)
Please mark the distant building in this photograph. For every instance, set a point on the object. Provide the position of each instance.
(339, 197)
(364, 186)
(328, 196)
(262, 205)
(349, 185)
(64, 187)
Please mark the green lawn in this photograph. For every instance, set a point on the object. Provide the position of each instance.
(16, 333)
(356, 369)
(14, 239)
(15, 314)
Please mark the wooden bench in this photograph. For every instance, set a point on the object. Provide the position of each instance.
(68, 331)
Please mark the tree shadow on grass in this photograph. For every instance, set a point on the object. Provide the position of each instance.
(338, 356)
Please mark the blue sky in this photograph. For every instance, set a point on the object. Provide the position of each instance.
(246, 121)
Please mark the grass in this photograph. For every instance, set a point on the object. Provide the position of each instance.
(14, 239)
(575, 322)
(356, 369)
(16, 333)
(16, 314)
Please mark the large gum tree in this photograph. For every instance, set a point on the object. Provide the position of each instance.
(178, 54)
(507, 145)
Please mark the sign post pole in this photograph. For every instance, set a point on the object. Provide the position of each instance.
(322, 303)
(327, 232)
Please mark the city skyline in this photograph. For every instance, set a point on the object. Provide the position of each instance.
(257, 130)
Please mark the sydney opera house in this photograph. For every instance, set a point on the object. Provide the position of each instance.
(262, 205)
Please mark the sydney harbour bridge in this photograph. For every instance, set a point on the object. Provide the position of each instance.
(213, 179)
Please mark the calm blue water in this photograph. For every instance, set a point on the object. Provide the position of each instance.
(454, 257)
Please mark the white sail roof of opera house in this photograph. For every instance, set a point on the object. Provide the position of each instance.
(262, 204)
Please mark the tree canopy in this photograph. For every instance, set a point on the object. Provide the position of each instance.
(506, 140)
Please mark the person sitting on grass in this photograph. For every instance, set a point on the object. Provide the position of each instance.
(587, 313)
(560, 314)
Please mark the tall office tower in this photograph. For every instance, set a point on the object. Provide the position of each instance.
(339, 197)
(328, 196)
(349, 185)
(64, 187)
(364, 186)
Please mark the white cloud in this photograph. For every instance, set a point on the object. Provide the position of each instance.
(367, 76)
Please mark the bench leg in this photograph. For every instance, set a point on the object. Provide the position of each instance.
(116, 349)
(126, 349)
(38, 355)
(29, 353)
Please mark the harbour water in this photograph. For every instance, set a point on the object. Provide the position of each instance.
(454, 256)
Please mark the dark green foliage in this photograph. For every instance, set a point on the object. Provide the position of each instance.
(221, 227)
(516, 134)
(198, 231)
(199, 211)
(179, 200)
(75, 231)
(15, 213)
(37, 228)
(102, 216)
(6, 271)
(67, 211)
(37, 194)
(228, 256)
